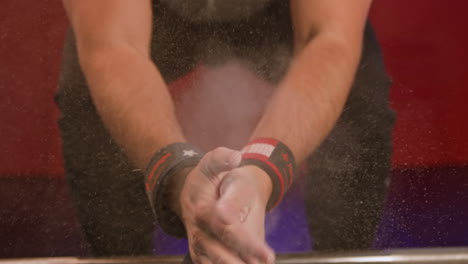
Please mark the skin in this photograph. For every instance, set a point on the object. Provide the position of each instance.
(113, 40)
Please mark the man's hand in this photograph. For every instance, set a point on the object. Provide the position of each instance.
(223, 209)
(239, 216)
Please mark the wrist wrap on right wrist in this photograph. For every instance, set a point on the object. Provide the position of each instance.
(166, 163)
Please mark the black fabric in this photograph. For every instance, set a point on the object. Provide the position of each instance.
(263, 42)
(347, 174)
(215, 10)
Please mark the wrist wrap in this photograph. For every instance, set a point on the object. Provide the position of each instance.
(165, 164)
(277, 160)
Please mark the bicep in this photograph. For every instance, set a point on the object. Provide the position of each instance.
(105, 24)
(340, 19)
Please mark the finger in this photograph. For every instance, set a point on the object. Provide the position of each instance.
(227, 224)
(205, 248)
(199, 260)
(237, 237)
(248, 243)
(235, 220)
(227, 220)
(250, 259)
(219, 160)
(204, 260)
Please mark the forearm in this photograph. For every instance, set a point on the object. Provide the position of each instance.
(311, 97)
(132, 100)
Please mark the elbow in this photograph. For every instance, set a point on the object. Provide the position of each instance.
(99, 59)
(339, 39)
(94, 61)
(335, 44)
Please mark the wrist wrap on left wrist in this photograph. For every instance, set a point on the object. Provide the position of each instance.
(277, 160)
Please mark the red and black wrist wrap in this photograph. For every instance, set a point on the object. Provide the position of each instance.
(277, 160)
(166, 163)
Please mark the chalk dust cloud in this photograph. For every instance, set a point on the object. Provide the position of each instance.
(221, 105)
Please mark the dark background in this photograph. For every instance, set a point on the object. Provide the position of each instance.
(425, 48)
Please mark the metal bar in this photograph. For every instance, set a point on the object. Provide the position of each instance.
(412, 256)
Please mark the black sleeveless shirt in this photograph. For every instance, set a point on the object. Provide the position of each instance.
(261, 38)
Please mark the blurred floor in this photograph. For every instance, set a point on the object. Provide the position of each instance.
(37, 218)
(426, 207)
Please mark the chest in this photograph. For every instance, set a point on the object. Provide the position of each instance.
(216, 10)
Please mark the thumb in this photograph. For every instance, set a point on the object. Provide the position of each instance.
(218, 161)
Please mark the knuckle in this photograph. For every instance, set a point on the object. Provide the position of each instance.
(220, 156)
(199, 220)
(208, 165)
(215, 161)
(203, 224)
(227, 209)
(201, 208)
(185, 201)
(197, 244)
(226, 235)
(218, 260)
(238, 173)
(220, 151)
(220, 211)
(207, 156)
(196, 237)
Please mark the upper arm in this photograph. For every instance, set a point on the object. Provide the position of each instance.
(343, 20)
(100, 25)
